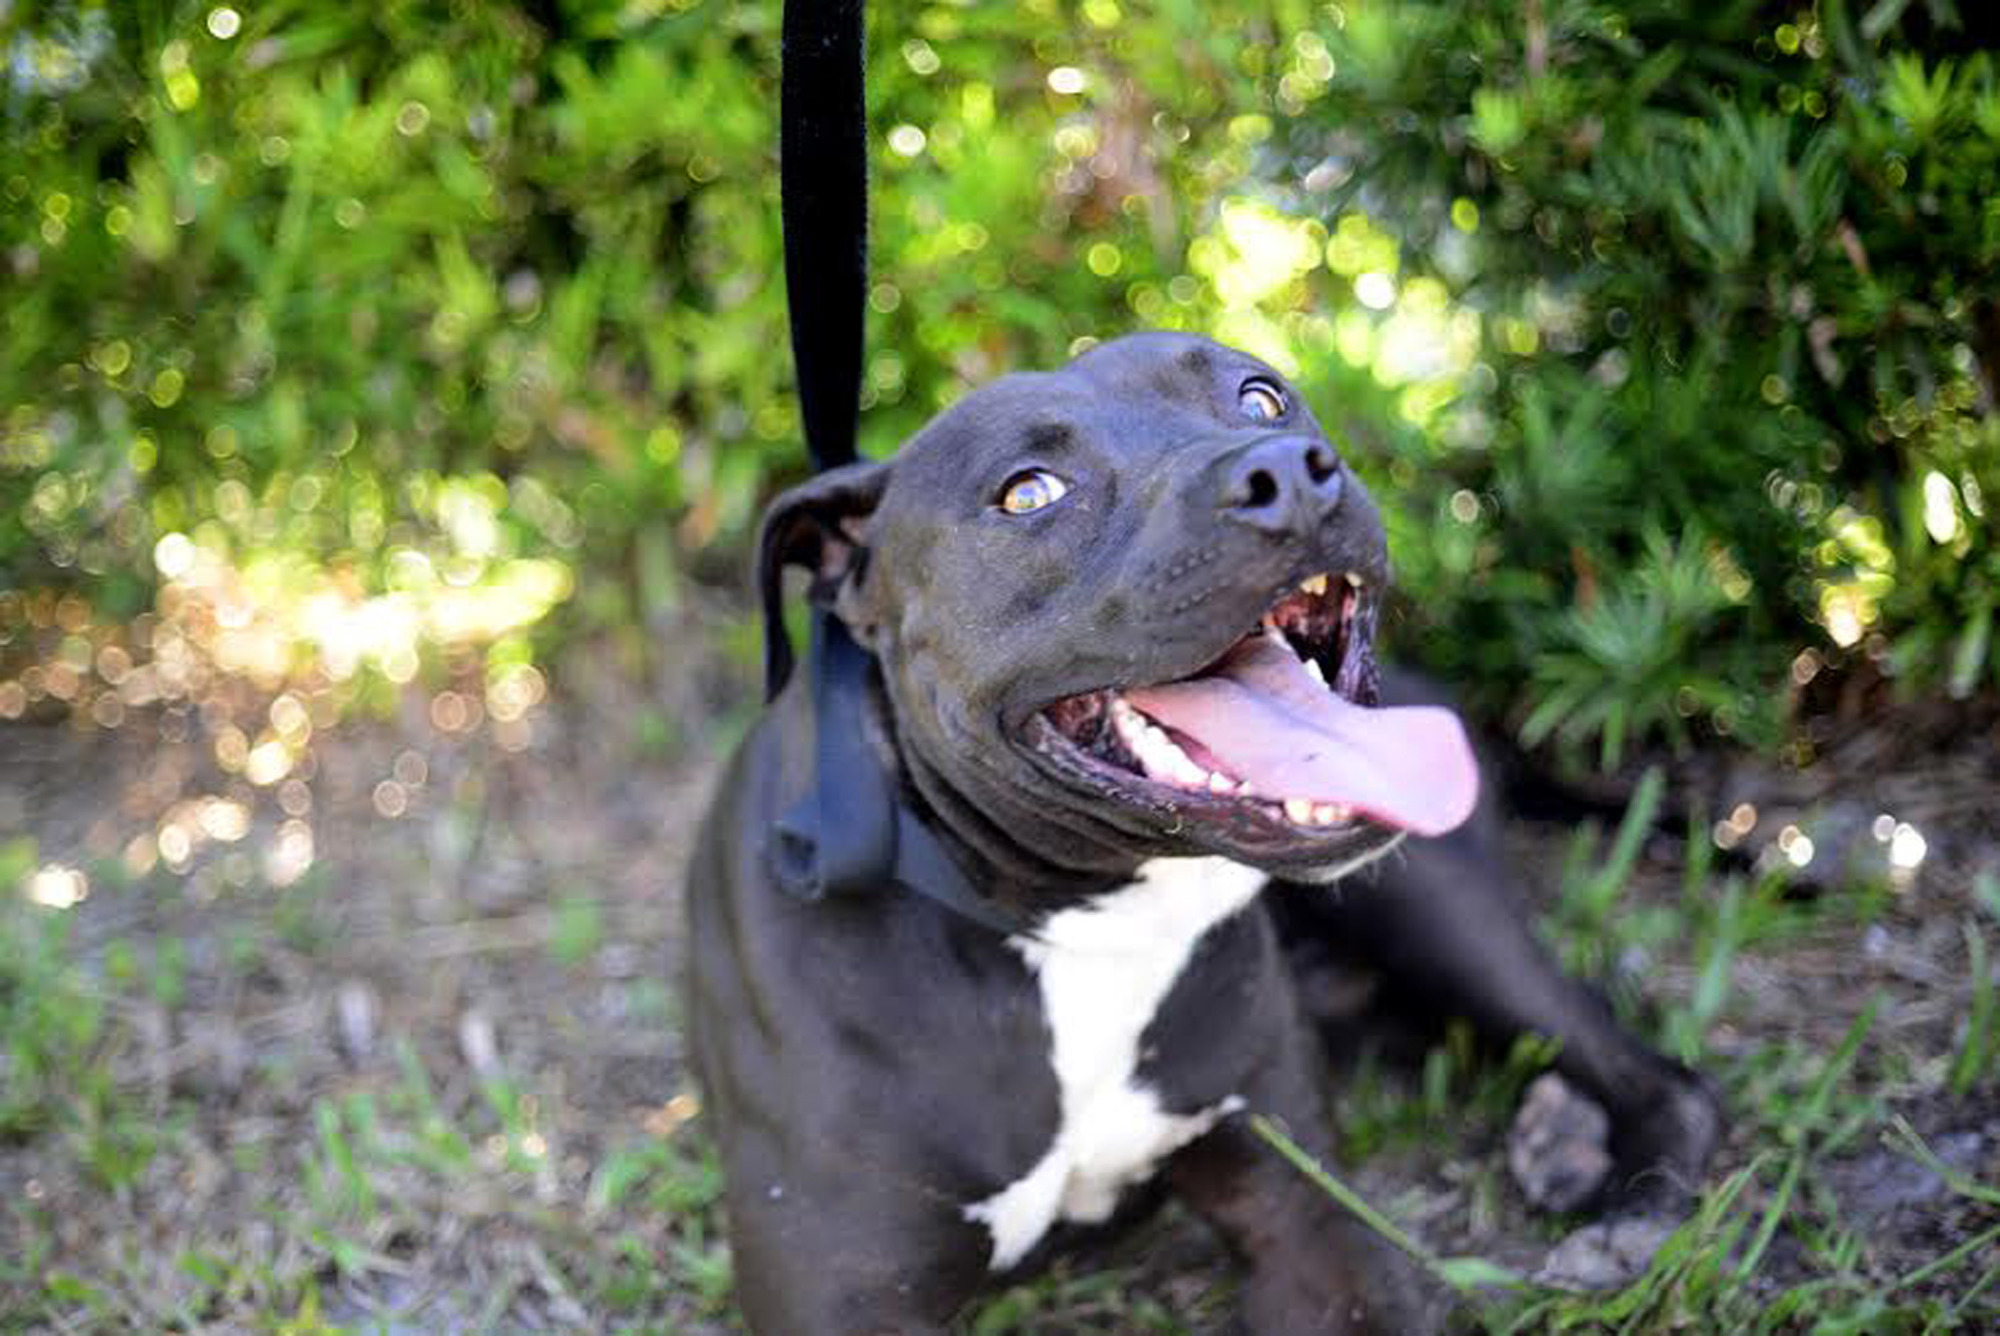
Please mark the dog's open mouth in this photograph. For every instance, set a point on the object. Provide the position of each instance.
(1285, 721)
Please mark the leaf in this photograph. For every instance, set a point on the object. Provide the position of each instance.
(1969, 658)
(1474, 1273)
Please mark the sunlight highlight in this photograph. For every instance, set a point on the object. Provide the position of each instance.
(55, 886)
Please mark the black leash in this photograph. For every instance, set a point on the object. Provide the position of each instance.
(854, 833)
(823, 181)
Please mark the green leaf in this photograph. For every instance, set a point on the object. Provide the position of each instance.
(1968, 660)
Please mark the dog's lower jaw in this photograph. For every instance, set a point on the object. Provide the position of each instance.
(1330, 873)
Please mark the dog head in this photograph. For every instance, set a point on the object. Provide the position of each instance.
(1125, 609)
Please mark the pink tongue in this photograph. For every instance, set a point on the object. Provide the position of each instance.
(1266, 721)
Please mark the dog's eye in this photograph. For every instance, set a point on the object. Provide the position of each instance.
(1031, 491)
(1261, 400)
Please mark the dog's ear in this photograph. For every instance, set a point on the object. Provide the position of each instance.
(817, 525)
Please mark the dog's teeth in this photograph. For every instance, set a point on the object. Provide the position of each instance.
(1353, 580)
(1222, 786)
(1163, 758)
(1317, 673)
(1314, 585)
(1330, 814)
(1299, 811)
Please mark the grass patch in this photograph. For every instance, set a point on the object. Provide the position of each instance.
(553, 1178)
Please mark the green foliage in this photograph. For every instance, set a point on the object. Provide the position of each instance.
(1669, 335)
(1756, 248)
(1627, 662)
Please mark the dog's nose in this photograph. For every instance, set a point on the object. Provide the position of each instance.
(1284, 484)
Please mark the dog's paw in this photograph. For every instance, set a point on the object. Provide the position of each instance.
(1662, 1147)
(1559, 1149)
(1606, 1254)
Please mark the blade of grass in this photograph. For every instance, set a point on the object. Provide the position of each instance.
(1463, 1274)
(1690, 1024)
(1904, 1138)
(1625, 846)
(1799, 1130)
(1973, 1060)
(1991, 1274)
(1978, 1242)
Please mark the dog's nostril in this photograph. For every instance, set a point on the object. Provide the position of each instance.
(1282, 483)
(1321, 463)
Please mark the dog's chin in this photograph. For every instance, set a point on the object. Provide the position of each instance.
(1170, 752)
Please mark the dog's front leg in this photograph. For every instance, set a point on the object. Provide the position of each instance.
(1310, 1266)
(858, 1261)
(1446, 926)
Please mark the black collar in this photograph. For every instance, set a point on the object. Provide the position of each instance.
(854, 833)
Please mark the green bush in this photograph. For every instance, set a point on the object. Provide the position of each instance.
(1748, 255)
(1670, 340)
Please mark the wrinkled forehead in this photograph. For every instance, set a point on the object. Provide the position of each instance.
(1141, 390)
(1174, 367)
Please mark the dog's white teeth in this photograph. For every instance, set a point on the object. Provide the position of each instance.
(1222, 786)
(1353, 580)
(1162, 759)
(1314, 671)
(1316, 584)
(1306, 812)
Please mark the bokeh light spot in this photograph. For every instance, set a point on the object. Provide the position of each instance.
(1067, 80)
(290, 854)
(54, 886)
(1375, 290)
(391, 799)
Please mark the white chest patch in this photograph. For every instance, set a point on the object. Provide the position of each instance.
(1104, 968)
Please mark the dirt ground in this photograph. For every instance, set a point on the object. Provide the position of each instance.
(433, 1080)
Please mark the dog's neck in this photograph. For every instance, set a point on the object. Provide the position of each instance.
(1002, 866)
(983, 830)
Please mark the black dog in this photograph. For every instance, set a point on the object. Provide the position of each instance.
(1114, 630)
